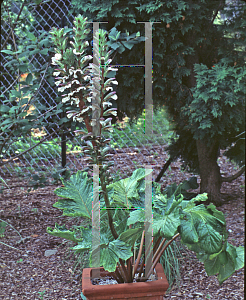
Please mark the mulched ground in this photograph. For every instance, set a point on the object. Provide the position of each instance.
(32, 272)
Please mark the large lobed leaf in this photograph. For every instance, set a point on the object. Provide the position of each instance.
(126, 189)
(79, 195)
(201, 227)
(110, 255)
(63, 232)
(225, 262)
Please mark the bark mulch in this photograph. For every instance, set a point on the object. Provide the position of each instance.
(41, 268)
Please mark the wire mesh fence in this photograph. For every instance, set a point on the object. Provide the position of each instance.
(47, 156)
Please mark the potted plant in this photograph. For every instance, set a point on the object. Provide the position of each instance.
(119, 244)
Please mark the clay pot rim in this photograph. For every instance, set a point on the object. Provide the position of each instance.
(157, 287)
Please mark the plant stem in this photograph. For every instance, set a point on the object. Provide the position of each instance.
(129, 268)
(128, 279)
(113, 274)
(160, 254)
(139, 255)
(159, 249)
(110, 219)
(142, 264)
(157, 244)
(119, 277)
(140, 271)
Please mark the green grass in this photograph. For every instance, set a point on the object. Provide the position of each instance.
(171, 263)
(125, 135)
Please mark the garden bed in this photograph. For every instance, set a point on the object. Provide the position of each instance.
(33, 272)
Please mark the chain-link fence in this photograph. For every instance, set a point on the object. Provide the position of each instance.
(48, 155)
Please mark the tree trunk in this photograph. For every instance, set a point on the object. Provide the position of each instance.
(209, 171)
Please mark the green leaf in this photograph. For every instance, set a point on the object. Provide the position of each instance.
(109, 256)
(44, 51)
(4, 108)
(137, 215)
(128, 45)
(44, 42)
(131, 235)
(15, 94)
(200, 226)
(31, 36)
(86, 242)
(23, 67)
(167, 225)
(7, 51)
(190, 184)
(78, 193)
(126, 189)
(29, 78)
(170, 189)
(63, 232)
(2, 228)
(240, 258)
(35, 51)
(227, 268)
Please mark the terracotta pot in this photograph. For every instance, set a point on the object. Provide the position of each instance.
(151, 290)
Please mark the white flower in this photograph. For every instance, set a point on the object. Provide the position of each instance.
(71, 71)
(53, 61)
(77, 53)
(72, 43)
(61, 89)
(85, 58)
(114, 97)
(107, 104)
(75, 99)
(64, 79)
(114, 82)
(88, 57)
(114, 113)
(112, 69)
(80, 88)
(56, 73)
(70, 94)
(70, 115)
(78, 70)
(58, 82)
(86, 77)
(86, 109)
(78, 119)
(68, 86)
(86, 43)
(109, 88)
(58, 56)
(65, 99)
(75, 81)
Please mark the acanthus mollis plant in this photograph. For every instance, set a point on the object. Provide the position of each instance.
(83, 82)
(122, 215)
